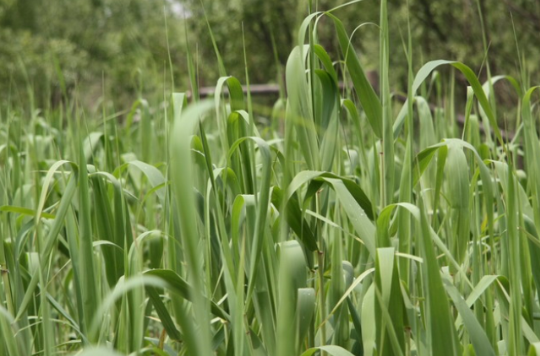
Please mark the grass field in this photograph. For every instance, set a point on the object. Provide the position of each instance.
(348, 224)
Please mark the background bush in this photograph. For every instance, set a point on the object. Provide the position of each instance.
(111, 47)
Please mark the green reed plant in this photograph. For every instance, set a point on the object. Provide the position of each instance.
(364, 226)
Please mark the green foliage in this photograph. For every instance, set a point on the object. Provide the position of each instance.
(353, 224)
(99, 47)
(440, 29)
(107, 48)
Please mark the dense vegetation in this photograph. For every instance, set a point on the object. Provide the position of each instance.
(350, 223)
(108, 51)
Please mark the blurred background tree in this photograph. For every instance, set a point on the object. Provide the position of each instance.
(119, 48)
(102, 47)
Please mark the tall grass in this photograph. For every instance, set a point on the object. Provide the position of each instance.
(364, 226)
